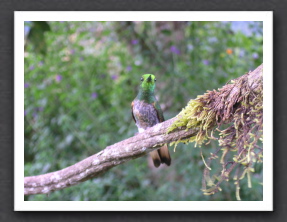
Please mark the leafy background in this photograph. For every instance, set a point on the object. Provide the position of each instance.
(80, 78)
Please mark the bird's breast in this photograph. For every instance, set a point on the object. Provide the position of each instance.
(145, 115)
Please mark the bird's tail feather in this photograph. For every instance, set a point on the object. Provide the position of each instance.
(164, 155)
(161, 156)
(155, 158)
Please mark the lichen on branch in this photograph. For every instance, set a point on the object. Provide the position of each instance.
(236, 112)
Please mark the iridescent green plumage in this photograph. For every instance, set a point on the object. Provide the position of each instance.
(147, 112)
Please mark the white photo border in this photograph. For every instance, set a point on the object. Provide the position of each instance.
(20, 16)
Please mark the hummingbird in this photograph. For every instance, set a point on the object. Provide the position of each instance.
(146, 113)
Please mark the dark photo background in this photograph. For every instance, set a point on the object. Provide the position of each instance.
(80, 78)
(7, 136)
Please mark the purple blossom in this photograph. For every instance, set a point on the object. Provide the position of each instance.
(72, 51)
(25, 112)
(115, 77)
(26, 85)
(129, 68)
(242, 53)
(134, 41)
(205, 62)
(40, 109)
(174, 50)
(58, 78)
(255, 55)
(32, 67)
(190, 47)
(81, 58)
(41, 63)
(94, 95)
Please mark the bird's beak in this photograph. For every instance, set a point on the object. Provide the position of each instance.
(149, 79)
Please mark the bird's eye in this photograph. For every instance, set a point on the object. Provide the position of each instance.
(141, 79)
(154, 79)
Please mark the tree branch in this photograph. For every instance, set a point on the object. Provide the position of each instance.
(111, 156)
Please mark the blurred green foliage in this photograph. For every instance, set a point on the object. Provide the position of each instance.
(80, 78)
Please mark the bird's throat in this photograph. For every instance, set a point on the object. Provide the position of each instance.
(146, 95)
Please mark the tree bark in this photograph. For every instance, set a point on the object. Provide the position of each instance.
(119, 153)
(111, 156)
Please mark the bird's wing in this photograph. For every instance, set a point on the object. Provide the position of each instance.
(132, 106)
(158, 111)
(163, 152)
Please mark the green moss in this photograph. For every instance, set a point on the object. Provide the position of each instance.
(236, 111)
(195, 115)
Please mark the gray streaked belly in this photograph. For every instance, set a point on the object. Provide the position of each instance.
(145, 115)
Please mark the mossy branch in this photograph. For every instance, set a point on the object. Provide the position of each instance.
(236, 111)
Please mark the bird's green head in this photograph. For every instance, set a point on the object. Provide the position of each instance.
(148, 82)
